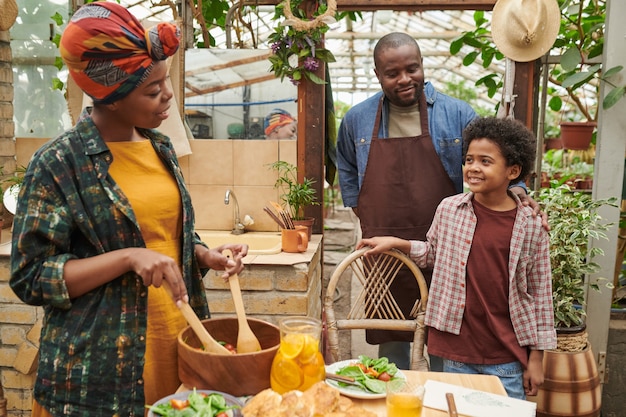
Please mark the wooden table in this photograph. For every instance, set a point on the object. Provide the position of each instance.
(488, 383)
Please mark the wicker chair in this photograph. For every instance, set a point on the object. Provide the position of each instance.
(376, 273)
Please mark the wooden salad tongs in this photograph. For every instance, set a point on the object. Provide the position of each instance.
(246, 340)
(209, 343)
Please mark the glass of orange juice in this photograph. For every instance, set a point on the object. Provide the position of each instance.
(404, 399)
(298, 364)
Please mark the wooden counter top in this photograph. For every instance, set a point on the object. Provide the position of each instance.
(281, 258)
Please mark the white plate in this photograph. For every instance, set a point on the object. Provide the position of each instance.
(230, 400)
(354, 391)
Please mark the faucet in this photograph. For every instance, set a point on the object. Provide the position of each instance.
(238, 227)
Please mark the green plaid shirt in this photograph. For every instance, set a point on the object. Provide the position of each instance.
(92, 347)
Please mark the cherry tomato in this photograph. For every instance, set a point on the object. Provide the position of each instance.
(384, 376)
(179, 404)
(222, 414)
(230, 348)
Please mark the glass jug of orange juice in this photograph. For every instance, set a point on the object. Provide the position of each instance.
(298, 364)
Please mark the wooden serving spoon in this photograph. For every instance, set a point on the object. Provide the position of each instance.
(246, 340)
(209, 343)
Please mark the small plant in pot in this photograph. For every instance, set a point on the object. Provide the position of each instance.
(296, 195)
(574, 221)
(10, 187)
(574, 81)
(572, 382)
(552, 136)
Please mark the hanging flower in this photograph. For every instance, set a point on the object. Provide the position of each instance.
(295, 42)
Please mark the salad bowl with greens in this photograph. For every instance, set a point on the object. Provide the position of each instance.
(197, 403)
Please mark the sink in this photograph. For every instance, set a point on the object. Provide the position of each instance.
(259, 243)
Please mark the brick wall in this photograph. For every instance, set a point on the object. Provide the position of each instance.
(19, 335)
(7, 127)
(14, 386)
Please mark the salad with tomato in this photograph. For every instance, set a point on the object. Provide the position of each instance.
(197, 404)
(371, 374)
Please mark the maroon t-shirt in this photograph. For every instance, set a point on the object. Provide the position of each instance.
(487, 335)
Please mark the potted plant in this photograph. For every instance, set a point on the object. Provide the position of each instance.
(296, 195)
(573, 220)
(582, 174)
(574, 83)
(578, 75)
(570, 371)
(11, 188)
(552, 136)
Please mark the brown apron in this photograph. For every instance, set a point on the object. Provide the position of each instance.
(404, 182)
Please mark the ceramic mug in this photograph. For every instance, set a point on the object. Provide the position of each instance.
(295, 240)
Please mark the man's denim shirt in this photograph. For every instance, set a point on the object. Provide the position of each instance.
(447, 117)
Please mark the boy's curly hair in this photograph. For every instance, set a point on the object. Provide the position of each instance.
(516, 142)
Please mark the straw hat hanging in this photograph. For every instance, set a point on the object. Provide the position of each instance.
(8, 14)
(524, 30)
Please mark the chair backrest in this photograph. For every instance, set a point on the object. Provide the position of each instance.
(375, 307)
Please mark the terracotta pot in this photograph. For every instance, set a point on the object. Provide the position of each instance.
(584, 183)
(308, 222)
(238, 374)
(577, 135)
(552, 143)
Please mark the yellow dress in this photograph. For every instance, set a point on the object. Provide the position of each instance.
(155, 198)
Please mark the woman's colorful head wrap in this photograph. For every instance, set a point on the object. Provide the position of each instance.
(109, 53)
(277, 118)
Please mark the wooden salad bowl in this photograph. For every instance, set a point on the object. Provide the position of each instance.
(236, 374)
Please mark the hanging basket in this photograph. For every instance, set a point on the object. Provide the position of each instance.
(577, 135)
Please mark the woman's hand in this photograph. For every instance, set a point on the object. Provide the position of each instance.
(214, 259)
(83, 275)
(154, 268)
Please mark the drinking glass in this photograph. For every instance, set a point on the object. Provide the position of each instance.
(404, 399)
(298, 364)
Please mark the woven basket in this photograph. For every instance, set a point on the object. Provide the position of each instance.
(572, 342)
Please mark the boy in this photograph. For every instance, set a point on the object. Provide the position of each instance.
(490, 301)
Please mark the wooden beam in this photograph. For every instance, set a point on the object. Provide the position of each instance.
(408, 5)
(229, 64)
(201, 91)
(311, 131)
(525, 88)
(414, 5)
